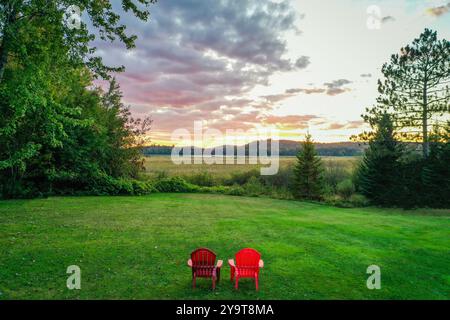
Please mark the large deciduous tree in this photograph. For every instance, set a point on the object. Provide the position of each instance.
(415, 89)
(104, 17)
(57, 133)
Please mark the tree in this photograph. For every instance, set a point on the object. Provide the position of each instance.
(308, 172)
(415, 91)
(59, 135)
(378, 174)
(34, 102)
(15, 15)
(436, 171)
(125, 135)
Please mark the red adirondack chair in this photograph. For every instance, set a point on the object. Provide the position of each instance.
(248, 263)
(202, 263)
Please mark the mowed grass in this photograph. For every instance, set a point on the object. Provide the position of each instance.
(156, 165)
(137, 247)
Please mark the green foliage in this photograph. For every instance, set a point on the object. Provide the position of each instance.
(378, 173)
(175, 184)
(334, 173)
(436, 171)
(254, 187)
(308, 173)
(203, 179)
(345, 189)
(241, 178)
(282, 180)
(57, 134)
(359, 201)
(17, 16)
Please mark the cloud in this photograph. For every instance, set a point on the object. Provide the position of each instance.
(387, 19)
(289, 122)
(190, 53)
(348, 125)
(438, 11)
(336, 87)
(330, 88)
(302, 62)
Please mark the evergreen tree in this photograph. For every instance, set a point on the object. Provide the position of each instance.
(308, 172)
(378, 173)
(415, 90)
(436, 171)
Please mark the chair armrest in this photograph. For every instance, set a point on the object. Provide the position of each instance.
(219, 264)
(231, 263)
(189, 262)
(261, 264)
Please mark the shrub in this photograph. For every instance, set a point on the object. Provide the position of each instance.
(175, 184)
(358, 200)
(254, 187)
(345, 189)
(241, 178)
(161, 174)
(203, 179)
(142, 188)
(335, 172)
(283, 179)
(236, 190)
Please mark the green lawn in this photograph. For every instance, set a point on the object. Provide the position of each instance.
(137, 247)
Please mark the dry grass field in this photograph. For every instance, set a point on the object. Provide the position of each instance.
(157, 166)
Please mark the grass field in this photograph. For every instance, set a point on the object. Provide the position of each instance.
(137, 247)
(156, 165)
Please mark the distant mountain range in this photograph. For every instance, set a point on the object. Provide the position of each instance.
(286, 148)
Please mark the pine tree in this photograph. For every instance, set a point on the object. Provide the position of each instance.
(415, 90)
(378, 174)
(308, 172)
(436, 171)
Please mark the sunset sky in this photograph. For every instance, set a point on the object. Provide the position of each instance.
(291, 65)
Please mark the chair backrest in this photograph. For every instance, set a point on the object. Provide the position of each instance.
(203, 257)
(248, 258)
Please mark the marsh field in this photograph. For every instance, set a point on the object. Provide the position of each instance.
(163, 165)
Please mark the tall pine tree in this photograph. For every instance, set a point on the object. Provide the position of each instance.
(308, 182)
(415, 89)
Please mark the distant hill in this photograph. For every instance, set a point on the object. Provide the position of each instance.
(287, 148)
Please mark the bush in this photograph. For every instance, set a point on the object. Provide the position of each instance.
(161, 174)
(254, 187)
(142, 188)
(358, 200)
(335, 172)
(175, 184)
(203, 179)
(283, 179)
(241, 178)
(232, 191)
(107, 185)
(235, 190)
(355, 201)
(345, 189)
